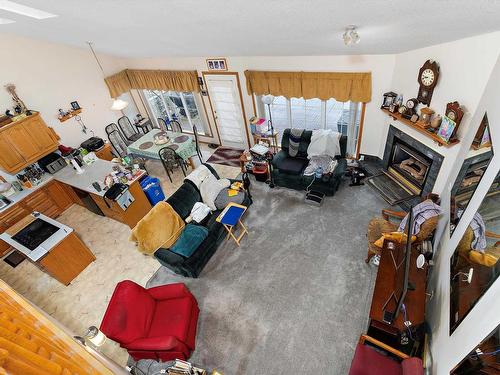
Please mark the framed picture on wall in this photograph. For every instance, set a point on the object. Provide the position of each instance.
(219, 64)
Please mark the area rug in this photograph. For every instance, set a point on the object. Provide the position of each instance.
(295, 296)
(226, 156)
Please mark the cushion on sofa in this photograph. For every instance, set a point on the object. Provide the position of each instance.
(184, 198)
(223, 199)
(291, 165)
(189, 240)
(304, 142)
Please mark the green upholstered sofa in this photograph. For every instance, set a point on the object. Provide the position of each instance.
(288, 171)
(182, 201)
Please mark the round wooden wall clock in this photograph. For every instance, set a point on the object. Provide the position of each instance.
(427, 79)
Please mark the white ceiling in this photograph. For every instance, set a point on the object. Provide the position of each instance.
(154, 28)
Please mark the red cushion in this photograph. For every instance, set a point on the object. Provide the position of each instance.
(129, 313)
(172, 318)
(367, 361)
(412, 366)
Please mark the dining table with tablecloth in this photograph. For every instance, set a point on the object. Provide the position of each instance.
(183, 145)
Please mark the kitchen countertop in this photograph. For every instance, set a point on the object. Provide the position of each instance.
(97, 171)
(19, 196)
(45, 247)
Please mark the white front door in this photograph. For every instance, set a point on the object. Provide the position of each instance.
(226, 105)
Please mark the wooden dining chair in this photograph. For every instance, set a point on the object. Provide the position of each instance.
(170, 160)
(127, 129)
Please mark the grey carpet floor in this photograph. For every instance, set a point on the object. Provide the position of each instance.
(295, 296)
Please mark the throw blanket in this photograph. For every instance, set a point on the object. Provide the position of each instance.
(198, 212)
(324, 142)
(189, 240)
(159, 228)
(325, 162)
(421, 212)
(479, 229)
(295, 138)
(198, 175)
(210, 188)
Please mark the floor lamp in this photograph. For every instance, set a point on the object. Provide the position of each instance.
(268, 100)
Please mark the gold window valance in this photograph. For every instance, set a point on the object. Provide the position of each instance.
(165, 80)
(340, 86)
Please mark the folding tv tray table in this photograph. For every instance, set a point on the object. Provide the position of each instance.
(230, 218)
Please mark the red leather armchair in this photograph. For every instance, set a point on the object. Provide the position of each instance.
(368, 361)
(157, 323)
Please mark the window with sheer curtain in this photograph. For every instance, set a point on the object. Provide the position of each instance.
(310, 114)
(179, 106)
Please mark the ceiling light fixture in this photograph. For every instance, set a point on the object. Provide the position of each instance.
(351, 35)
(6, 21)
(24, 10)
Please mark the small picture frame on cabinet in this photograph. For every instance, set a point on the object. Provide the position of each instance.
(414, 118)
(75, 105)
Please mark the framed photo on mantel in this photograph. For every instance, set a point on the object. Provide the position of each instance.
(219, 64)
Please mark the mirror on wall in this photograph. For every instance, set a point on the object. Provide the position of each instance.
(484, 359)
(473, 168)
(474, 264)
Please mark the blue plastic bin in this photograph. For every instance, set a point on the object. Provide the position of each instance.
(152, 188)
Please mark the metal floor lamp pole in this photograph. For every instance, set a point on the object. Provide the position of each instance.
(269, 158)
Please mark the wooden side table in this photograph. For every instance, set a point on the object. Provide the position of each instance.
(270, 139)
(231, 218)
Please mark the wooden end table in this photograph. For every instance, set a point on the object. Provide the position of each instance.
(270, 139)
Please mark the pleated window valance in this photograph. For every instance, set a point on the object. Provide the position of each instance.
(340, 86)
(165, 80)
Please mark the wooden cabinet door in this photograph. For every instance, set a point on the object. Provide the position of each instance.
(41, 201)
(68, 259)
(22, 141)
(10, 159)
(4, 246)
(59, 195)
(13, 215)
(105, 153)
(41, 135)
(9, 218)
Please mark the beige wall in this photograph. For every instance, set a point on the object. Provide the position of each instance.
(448, 350)
(381, 67)
(465, 67)
(50, 76)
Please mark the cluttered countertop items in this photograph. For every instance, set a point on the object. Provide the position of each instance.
(77, 168)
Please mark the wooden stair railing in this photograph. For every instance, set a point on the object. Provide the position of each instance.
(32, 344)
